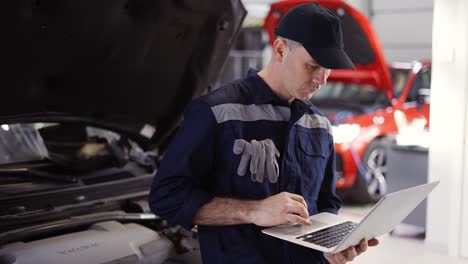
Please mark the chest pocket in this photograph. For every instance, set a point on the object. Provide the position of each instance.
(313, 155)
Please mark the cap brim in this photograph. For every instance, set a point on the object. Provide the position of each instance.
(330, 58)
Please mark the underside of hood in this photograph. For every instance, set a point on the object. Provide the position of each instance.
(124, 64)
(360, 42)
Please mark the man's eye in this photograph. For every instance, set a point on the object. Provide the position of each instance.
(311, 66)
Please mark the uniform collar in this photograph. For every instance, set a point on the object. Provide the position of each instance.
(263, 93)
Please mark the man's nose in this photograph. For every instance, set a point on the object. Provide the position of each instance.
(320, 76)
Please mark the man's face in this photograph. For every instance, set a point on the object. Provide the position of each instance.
(302, 75)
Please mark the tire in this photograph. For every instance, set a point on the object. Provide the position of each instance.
(371, 183)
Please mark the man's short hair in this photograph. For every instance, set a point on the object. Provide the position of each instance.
(291, 43)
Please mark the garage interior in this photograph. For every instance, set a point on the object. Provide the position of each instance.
(425, 47)
(423, 30)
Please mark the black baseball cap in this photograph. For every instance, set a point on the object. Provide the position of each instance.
(318, 29)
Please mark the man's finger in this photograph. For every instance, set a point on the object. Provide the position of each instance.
(297, 219)
(373, 242)
(362, 246)
(351, 254)
(339, 258)
(298, 198)
(298, 208)
(329, 257)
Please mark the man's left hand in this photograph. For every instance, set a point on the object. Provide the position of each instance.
(350, 253)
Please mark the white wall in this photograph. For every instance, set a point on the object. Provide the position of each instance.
(447, 222)
(362, 5)
(404, 28)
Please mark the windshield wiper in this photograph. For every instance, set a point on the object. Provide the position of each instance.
(37, 173)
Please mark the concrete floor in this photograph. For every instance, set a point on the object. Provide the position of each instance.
(398, 249)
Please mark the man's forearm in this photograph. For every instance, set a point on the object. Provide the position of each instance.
(226, 211)
(274, 210)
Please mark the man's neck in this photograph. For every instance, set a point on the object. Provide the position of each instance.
(274, 81)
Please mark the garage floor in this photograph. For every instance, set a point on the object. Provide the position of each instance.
(397, 249)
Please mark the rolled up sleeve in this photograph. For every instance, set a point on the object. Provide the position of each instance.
(179, 187)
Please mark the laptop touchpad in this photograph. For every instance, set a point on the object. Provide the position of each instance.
(297, 229)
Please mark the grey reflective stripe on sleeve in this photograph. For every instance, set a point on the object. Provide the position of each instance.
(240, 112)
(314, 121)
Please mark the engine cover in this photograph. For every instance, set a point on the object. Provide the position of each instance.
(105, 242)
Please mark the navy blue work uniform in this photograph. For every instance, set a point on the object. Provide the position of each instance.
(200, 164)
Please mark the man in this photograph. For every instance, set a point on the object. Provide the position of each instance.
(256, 153)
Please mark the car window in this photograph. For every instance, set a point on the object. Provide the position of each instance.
(399, 78)
(422, 80)
(356, 93)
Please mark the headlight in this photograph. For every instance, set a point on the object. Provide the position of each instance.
(345, 133)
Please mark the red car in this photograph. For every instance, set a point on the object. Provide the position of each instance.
(366, 105)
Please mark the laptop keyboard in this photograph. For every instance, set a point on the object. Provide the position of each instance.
(330, 236)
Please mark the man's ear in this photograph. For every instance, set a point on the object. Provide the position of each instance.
(279, 49)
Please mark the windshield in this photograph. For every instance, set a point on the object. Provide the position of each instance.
(399, 78)
(361, 94)
(21, 143)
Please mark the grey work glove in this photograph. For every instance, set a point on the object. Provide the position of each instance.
(271, 164)
(262, 156)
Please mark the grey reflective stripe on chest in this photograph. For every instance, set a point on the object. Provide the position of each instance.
(314, 121)
(240, 112)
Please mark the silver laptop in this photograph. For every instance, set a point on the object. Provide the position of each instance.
(332, 233)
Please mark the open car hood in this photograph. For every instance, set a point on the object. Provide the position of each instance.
(360, 42)
(131, 66)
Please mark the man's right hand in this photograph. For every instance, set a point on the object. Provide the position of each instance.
(279, 209)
